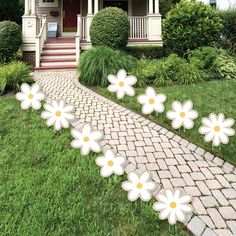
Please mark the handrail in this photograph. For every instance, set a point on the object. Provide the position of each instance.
(40, 39)
(138, 27)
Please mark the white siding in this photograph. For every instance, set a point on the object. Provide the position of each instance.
(222, 4)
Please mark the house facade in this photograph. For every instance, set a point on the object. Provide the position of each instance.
(73, 19)
(220, 4)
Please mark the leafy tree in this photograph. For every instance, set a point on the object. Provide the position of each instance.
(11, 10)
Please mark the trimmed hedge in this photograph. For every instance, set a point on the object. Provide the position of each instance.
(10, 40)
(190, 25)
(97, 63)
(110, 28)
(150, 52)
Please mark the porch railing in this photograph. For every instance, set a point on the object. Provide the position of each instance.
(138, 27)
(40, 39)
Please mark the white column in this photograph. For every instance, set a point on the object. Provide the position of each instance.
(26, 7)
(95, 7)
(156, 6)
(90, 7)
(32, 7)
(150, 6)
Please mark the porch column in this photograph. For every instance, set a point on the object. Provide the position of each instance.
(32, 7)
(150, 7)
(95, 7)
(90, 7)
(26, 7)
(156, 6)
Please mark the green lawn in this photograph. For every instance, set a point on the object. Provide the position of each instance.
(208, 97)
(48, 188)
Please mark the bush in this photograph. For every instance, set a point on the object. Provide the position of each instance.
(10, 40)
(204, 58)
(216, 63)
(13, 75)
(225, 65)
(145, 71)
(149, 52)
(190, 25)
(97, 63)
(110, 27)
(174, 69)
(228, 39)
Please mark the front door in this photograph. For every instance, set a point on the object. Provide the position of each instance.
(70, 10)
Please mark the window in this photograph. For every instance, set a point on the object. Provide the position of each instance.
(48, 3)
(213, 3)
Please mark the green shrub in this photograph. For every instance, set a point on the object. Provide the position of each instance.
(216, 63)
(190, 25)
(10, 40)
(110, 28)
(228, 39)
(13, 75)
(145, 71)
(97, 63)
(149, 52)
(204, 58)
(174, 69)
(226, 67)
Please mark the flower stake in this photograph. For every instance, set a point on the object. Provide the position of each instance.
(152, 101)
(121, 84)
(139, 186)
(173, 206)
(86, 140)
(182, 115)
(58, 115)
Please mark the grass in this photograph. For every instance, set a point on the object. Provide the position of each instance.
(208, 97)
(48, 188)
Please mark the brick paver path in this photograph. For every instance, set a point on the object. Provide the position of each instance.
(173, 161)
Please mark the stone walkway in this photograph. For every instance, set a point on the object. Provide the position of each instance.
(173, 161)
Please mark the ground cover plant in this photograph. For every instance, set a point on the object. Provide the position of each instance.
(48, 188)
(209, 97)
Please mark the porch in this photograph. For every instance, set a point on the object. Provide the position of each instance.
(74, 18)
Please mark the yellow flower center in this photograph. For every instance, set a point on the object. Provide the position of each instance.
(173, 205)
(58, 113)
(30, 96)
(110, 163)
(217, 128)
(139, 185)
(86, 139)
(182, 114)
(121, 84)
(151, 101)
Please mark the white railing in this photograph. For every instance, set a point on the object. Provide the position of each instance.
(138, 27)
(40, 39)
(84, 29)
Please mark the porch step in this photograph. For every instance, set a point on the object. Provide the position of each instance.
(55, 67)
(58, 53)
(70, 62)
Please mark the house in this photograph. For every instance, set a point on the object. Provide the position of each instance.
(220, 4)
(73, 19)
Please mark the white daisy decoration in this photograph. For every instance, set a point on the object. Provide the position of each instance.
(58, 114)
(182, 115)
(152, 101)
(217, 129)
(173, 206)
(111, 164)
(121, 84)
(139, 186)
(86, 139)
(30, 96)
